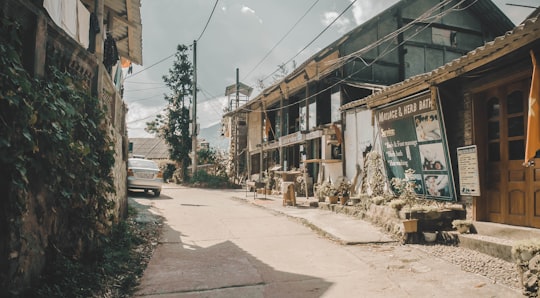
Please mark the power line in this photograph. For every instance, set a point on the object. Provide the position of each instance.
(138, 72)
(424, 17)
(146, 89)
(316, 37)
(209, 18)
(284, 36)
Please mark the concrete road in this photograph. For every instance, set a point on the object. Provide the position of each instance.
(217, 246)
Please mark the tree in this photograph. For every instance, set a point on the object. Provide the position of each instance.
(173, 125)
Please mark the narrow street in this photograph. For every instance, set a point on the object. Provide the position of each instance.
(215, 243)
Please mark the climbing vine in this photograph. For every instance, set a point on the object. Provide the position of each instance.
(52, 140)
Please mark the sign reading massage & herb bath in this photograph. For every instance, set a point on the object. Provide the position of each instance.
(413, 137)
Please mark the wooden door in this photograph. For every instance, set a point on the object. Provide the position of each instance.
(512, 190)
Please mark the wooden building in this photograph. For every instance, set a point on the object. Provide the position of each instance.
(481, 104)
(297, 121)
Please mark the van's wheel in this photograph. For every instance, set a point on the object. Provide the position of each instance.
(156, 193)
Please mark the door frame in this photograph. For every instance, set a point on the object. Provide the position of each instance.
(479, 131)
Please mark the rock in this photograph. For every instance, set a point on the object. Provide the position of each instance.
(534, 263)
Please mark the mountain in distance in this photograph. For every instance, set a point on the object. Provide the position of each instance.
(212, 135)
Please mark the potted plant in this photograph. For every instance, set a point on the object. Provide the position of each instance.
(330, 191)
(270, 183)
(406, 188)
(343, 187)
(319, 192)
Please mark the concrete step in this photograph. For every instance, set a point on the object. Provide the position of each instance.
(496, 239)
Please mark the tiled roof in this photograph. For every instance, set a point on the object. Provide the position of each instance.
(151, 148)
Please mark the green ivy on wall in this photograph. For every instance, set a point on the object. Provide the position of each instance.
(52, 139)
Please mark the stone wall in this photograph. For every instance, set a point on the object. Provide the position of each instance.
(25, 239)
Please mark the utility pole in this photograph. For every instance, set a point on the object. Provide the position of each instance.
(237, 157)
(194, 114)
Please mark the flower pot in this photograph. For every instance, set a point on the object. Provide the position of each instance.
(268, 191)
(332, 199)
(410, 225)
(430, 236)
(343, 200)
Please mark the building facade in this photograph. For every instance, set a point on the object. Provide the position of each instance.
(91, 40)
(480, 102)
(297, 122)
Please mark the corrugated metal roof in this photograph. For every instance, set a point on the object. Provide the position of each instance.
(522, 35)
(150, 148)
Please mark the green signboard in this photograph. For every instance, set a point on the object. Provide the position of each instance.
(413, 137)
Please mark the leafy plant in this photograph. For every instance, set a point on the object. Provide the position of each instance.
(202, 178)
(53, 143)
(114, 268)
(173, 126)
(328, 189)
(462, 225)
(405, 187)
(343, 186)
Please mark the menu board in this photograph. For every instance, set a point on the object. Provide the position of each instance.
(413, 137)
(469, 182)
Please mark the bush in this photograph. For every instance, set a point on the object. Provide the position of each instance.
(203, 179)
(168, 171)
(112, 271)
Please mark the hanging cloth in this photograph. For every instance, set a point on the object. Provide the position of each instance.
(110, 53)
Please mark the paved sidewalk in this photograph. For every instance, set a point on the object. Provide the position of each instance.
(342, 228)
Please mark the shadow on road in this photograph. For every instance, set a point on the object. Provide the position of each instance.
(223, 269)
(149, 195)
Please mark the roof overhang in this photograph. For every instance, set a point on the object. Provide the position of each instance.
(124, 24)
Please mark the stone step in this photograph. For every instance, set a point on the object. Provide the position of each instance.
(496, 239)
(493, 246)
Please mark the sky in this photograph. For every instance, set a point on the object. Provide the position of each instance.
(254, 36)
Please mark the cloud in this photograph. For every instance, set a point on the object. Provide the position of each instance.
(247, 10)
(342, 24)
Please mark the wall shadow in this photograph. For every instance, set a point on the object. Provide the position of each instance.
(223, 269)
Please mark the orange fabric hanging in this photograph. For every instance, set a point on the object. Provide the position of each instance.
(533, 122)
(125, 62)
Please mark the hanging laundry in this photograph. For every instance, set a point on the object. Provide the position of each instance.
(83, 24)
(94, 29)
(110, 53)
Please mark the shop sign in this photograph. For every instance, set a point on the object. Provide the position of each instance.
(290, 139)
(314, 134)
(271, 145)
(469, 182)
(412, 136)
